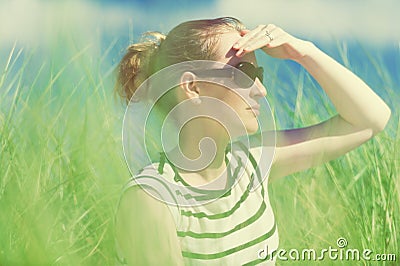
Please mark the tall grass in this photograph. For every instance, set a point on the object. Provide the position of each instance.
(61, 162)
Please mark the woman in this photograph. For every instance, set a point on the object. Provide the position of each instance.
(232, 229)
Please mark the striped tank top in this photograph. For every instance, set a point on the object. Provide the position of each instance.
(238, 228)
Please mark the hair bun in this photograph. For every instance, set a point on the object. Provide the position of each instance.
(136, 66)
(154, 37)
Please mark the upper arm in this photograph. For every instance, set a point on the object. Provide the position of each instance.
(145, 230)
(300, 149)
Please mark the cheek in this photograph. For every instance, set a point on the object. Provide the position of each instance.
(235, 100)
(213, 90)
(230, 97)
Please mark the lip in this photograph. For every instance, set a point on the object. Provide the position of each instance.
(255, 109)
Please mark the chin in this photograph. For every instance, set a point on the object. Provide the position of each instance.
(252, 127)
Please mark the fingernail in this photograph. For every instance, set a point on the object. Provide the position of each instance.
(239, 52)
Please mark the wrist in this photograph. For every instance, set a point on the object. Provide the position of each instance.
(306, 49)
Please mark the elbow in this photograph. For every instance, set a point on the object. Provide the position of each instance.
(383, 120)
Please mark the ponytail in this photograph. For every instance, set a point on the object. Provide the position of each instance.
(137, 65)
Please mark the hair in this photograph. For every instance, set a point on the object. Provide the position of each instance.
(191, 40)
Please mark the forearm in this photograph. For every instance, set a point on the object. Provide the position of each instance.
(353, 99)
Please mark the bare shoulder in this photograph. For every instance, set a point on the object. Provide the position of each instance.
(135, 199)
(145, 230)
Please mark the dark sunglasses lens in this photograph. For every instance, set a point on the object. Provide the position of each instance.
(252, 73)
(260, 75)
(244, 81)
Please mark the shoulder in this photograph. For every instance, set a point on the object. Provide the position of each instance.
(150, 191)
(139, 221)
(135, 201)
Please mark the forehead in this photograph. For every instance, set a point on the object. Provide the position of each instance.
(225, 52)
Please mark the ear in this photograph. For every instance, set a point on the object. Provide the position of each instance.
(188, 84)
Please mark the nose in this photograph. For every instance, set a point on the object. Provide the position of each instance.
(258, 90)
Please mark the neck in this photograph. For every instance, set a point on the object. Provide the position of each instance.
(212, 139)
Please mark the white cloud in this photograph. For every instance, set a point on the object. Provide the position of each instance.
(370, 20)
(35, 21)
(39, 22)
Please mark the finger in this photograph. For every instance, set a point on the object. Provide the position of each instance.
(270, 28)
(256, 41)
(260, 32)
(259, 41)
(277, 40)
(256, 44)
(248, 36)
(244, 32)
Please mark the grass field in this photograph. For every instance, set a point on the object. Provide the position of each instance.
(62, 167)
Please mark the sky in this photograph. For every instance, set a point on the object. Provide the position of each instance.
(37, 21)
(98, 23)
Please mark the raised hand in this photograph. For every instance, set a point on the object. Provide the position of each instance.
(272, 40)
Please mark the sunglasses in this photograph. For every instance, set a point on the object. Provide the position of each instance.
(238, 77)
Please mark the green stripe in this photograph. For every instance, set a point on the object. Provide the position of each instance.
(249, 221)
(223, 214)
(211, 195)
(161, 164)
(214, 194)
(251, 158)
(229, 251)
(161, 182)
(178, 178)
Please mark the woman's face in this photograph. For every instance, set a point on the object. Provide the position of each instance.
(243, 101)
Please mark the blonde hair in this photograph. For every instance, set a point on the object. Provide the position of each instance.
(191, 40)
